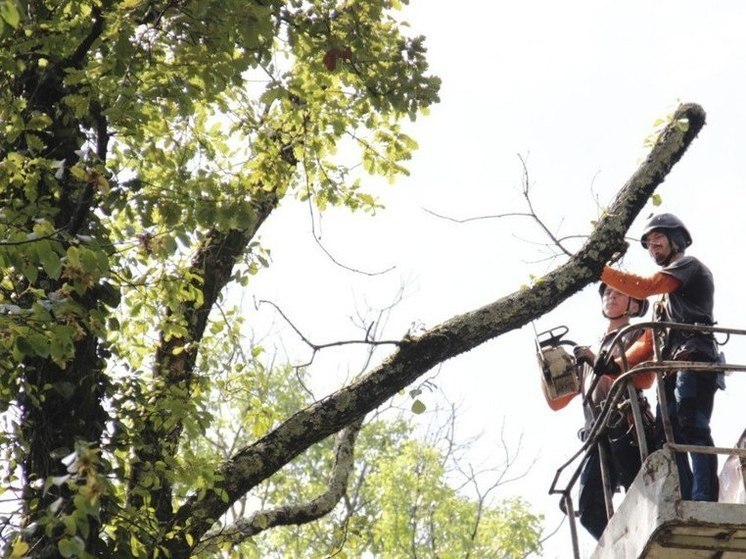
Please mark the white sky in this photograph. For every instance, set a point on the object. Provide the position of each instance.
(575, 88)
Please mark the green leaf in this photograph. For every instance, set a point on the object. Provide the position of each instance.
(39, 121)
(24, 346)
(64, 389)
(34, 142)
(19, 549)
(418, 407)
(50, 261)
(262, 521)
(89, 260)
(31, 272)
(40, 344)
(206, 213)
(170, 212)
(135, 545)
(10, 14)
(71, 547)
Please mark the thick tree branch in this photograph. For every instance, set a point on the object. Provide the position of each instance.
(245, 528)
(175, 358)
(416, 356)
(76, 59)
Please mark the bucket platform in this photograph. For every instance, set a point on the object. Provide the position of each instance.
(653, 522)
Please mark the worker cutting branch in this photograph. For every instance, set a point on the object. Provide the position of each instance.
(616, 456)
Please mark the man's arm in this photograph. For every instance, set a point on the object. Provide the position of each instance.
(641, 350)
(639, 286)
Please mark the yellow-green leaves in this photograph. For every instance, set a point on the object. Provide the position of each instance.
(418, 407)
(10, 15)
(71, 546)
(83, 267)
(682, 125)
(19, 549)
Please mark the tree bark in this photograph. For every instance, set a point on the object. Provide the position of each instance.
(46, 425)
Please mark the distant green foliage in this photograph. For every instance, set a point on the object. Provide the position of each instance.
(401, 502)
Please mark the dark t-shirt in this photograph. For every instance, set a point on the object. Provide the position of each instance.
(603, 387)
(691, 303)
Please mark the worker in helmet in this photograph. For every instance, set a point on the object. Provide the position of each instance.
(619, 444)
(687, 291)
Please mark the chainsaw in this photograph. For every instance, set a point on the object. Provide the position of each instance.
(558, 366)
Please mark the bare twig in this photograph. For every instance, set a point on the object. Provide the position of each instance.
(479, 217)
(318, 347)
(540, 223)
(317, 235)
(556, 240)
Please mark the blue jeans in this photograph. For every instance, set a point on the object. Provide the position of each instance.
(624, 463)
(690, 397)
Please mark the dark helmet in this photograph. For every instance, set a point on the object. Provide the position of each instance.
(673, 228)
(642, 304)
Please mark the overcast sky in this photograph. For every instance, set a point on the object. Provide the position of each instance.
(574, 88)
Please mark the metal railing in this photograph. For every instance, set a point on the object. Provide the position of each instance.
(621, 385)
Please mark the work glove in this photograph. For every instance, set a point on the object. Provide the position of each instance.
(619, 254)
(606, 365)
(583, 354)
